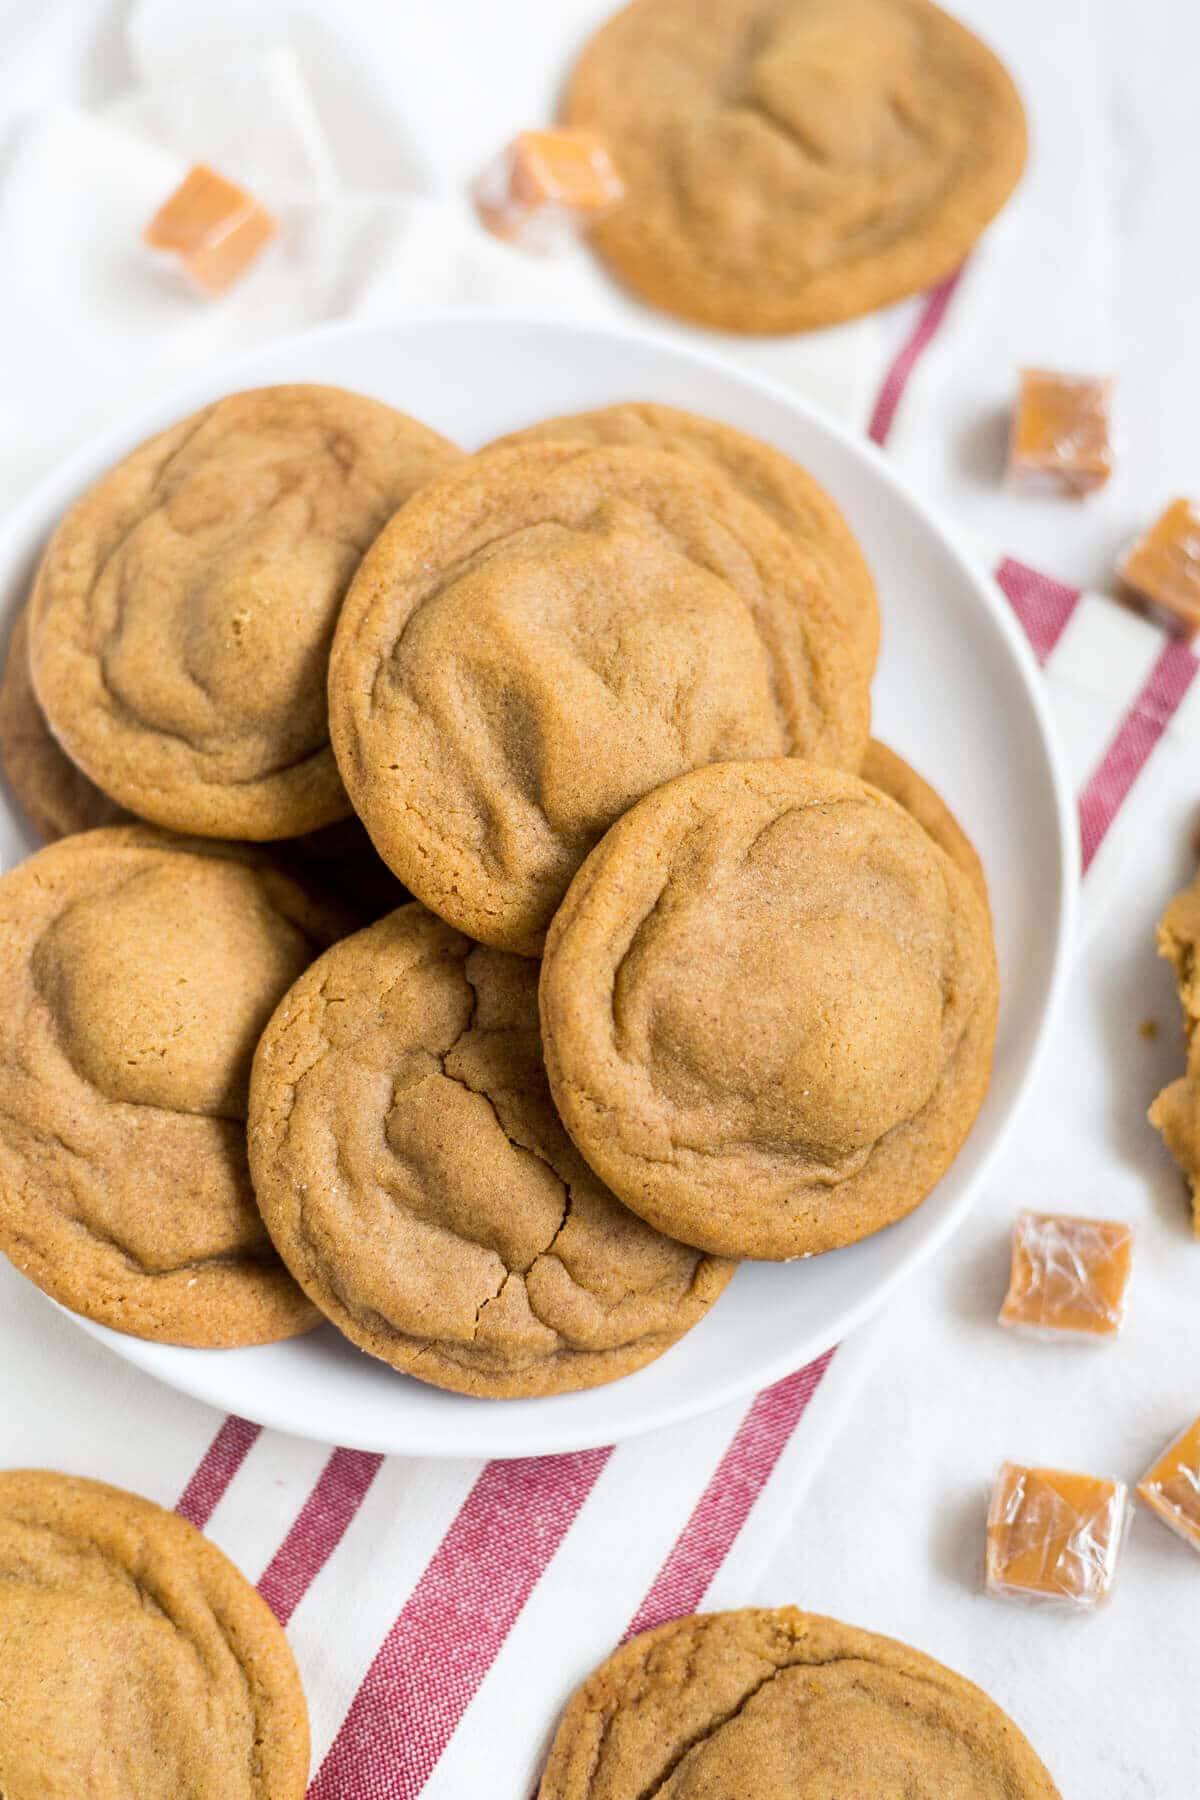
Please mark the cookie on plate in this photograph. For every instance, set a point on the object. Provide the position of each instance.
(780, 486)
(181, 617)
(413, 1172)
(138, 971)
(544, 635)
(776, 1702)
(55, 796)
(791, 163)
(884, 770)
(768, 1005)
(137, 1659)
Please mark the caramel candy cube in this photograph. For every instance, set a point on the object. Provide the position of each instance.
(1162, 571)
(1060, 435)
(1068, 1275)
(1053, 1536)
(214, 228)
(1172, 1487)
(546, 179)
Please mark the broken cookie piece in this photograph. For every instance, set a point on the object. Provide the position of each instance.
(1175, 1113)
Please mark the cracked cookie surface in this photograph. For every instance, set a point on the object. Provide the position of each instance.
(418, 1183)
(791, 163)
(768, 1005)
(777, 1704)
(543, 636)
(181, 618)
(138, 971)
(763, 474)
(135, 1659)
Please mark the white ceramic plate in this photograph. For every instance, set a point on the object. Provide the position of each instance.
(957, 693)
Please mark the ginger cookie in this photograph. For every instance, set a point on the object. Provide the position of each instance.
(55, 796)
(138, 971)
(884, 770)
(181, 618)
(547, 633)
(792, 163)
(1175, 1113)
(763, 474)
(413, 1172)
(772, 1703)
(137, 1660)
(768, 1005)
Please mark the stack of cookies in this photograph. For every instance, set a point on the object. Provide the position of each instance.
(695, 971)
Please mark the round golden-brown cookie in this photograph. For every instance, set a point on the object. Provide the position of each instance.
(884, 770)
(780, 486)
(790, 163)
(541, 637)
(768, 1005)
(776, 1704)
(181, 617)
(136, 1659)
(138, 971)
(55, 796)
(419, 1185)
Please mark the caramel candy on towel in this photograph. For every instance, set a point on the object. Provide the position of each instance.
(545, 181)
(214, 228)
(1053, 1536)
(1060, 435)
(1172, 1487)
(1162, 571)
(1068, 1275)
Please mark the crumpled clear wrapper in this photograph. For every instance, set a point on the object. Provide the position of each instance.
(1069, 1276)
(1054, 1537)
(1172, 1487)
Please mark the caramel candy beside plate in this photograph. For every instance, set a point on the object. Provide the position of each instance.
(1060, 436)
(214, 228)
(545, 180)
(1172, 1487)
(1053, 1536)
(1068, 1275)
(1162, 571)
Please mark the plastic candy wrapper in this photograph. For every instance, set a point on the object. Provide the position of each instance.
(1162, 571)
(1068, 1275)
(1172, 1487)
(546, 183)
(1060, 440)
(1054, 1537)
(214, 229)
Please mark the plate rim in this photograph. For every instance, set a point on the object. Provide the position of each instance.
(198, 1376)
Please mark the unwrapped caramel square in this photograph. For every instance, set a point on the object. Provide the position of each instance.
(1162, 571)
(1068, 1275)
(1053, 1536)
(1060, 435)
(1172, 1487)
(215, 229)
(545, 180)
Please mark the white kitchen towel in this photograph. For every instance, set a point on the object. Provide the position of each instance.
(441, 1611)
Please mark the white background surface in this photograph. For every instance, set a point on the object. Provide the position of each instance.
(1097, 262)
